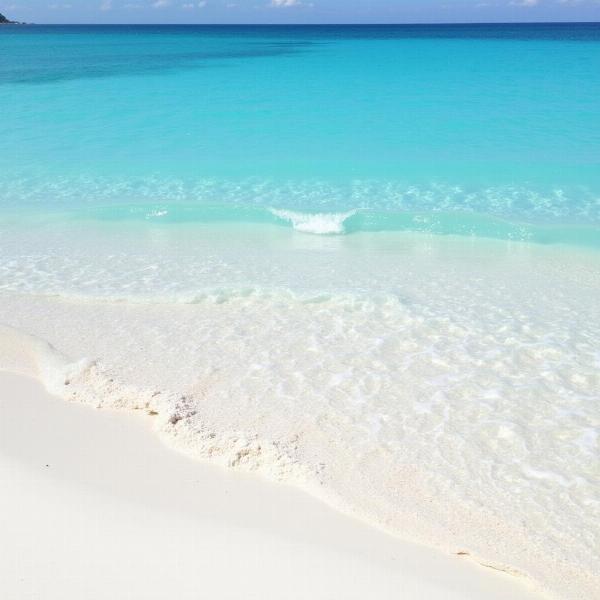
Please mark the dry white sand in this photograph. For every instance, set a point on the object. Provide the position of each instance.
(92, 505)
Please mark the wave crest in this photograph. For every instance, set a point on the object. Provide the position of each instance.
(317, 223)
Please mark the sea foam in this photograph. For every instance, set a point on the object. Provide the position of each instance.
(318, 223)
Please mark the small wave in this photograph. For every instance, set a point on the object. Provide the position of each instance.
(317, 223)
(360, 219)
(157, 213)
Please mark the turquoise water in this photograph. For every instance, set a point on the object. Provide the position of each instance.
(476, 130)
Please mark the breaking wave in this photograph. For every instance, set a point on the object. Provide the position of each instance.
(318, 223)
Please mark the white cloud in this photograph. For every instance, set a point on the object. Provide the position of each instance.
(161, 3)
(524, 3)
(106, 5)
(284, 3)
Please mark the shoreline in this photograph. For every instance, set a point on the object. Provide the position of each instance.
(152, 521)
(63, 343)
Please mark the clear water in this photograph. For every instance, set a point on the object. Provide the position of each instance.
(364, 260)
(485, 130)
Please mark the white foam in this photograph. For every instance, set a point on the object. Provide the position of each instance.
(32, 356)
(317, 223)
(156, 213)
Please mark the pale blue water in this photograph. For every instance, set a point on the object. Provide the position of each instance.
(490, 130)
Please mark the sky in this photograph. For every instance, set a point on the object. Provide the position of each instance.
(298, 11)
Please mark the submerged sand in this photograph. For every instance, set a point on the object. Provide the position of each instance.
(442, 389)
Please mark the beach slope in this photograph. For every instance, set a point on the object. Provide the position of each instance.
(93, 505)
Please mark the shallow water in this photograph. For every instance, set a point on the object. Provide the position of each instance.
(361, 260)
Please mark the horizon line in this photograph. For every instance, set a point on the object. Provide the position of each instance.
(332, 24)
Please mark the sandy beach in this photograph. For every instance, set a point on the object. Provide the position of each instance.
(94, 506)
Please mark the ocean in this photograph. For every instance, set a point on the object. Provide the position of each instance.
(364, 260)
